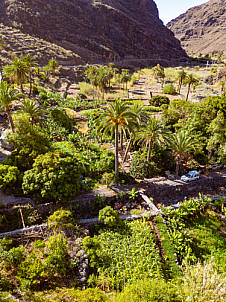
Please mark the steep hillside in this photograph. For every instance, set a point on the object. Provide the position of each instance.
(96, 30)
(202, 29)
(17, 43)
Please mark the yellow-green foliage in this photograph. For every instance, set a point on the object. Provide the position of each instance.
(86, 88)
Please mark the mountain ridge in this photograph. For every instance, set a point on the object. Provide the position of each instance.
(96, 30)
(202, 29)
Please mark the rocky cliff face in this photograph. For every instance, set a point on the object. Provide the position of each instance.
(202, 29)
(96, 30)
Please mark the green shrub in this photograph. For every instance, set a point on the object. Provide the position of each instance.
(91, 246)
(152, 109)
(61, 118)
(28, 136)
(159, 100)
(65, 294)
(10, 178)
(61, 219)
(109, 217)
(141, 168)
(169, 89)
(154, 290)
(54, 177)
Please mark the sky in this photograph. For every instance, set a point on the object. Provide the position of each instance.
(170, 9)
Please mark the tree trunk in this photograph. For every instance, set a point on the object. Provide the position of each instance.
(10, 119)
(21, 87)
(127, 149)
(121, 139)
(116, 154)
(149, 151)
(179, 87)
(177, 167)
(189, 86)
(30, 80)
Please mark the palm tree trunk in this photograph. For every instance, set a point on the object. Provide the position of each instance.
(10, 119)
(177, 167)
(21, 87)
(116, 154)
(127, 149)
(179, 87)
(121, 139)
(30, 80)
(189, 85)
(149, 151)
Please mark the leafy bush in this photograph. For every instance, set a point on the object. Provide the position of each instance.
(152, 109)
(91, 246)
(159, 100)
(154, 290)
(141, 168)
(61, 118)
(53, 177)
(10, 178)
(28, 136)
(47, 261)
(109, 217)
(169, 89)
(75, 295)
(61, 219)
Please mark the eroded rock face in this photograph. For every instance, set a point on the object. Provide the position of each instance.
(96, 30)
(202, 29)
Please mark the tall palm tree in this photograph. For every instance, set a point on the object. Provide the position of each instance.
(7, 96)
(17, 72)
(181, 77)
(102, 79)
(32, 109)
(125, 77)
(115, 115)
(30, 66)
(142, 117)
(151, 133)
(190, 80)
(182, 144)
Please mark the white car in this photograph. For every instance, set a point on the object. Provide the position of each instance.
(192, 175)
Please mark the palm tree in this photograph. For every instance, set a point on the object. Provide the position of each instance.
(191, 81)
(7, 95)
(182, 144)
(17, 72)
(53, 65)
(181, 77)
(32, 109)
(151, 133)
(30, 66)
(115, 115)
(102, 79)
(142, 117)
(125, 77)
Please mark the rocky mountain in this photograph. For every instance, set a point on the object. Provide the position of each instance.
(94, 30)
(202, 29)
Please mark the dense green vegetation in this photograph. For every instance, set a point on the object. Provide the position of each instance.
(65, 146)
